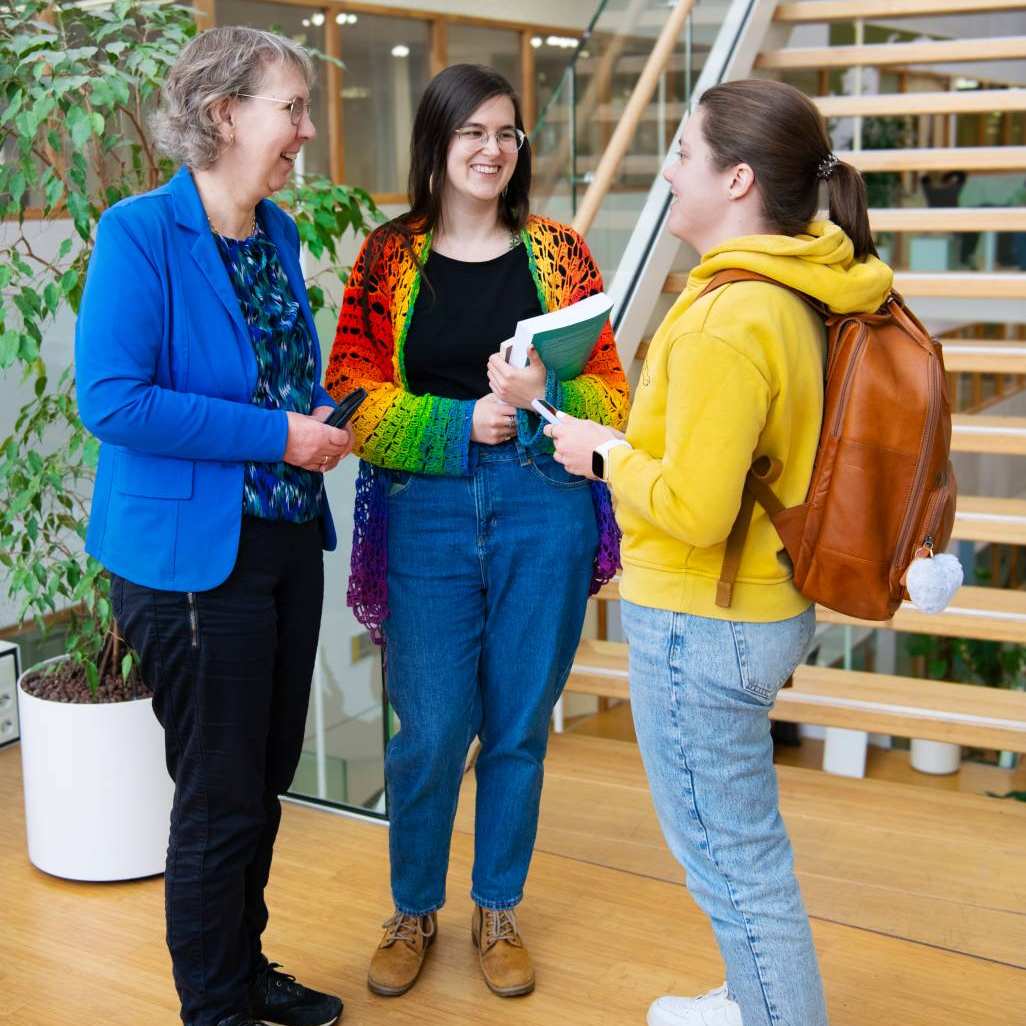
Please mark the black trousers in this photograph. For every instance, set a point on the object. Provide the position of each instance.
(230, 670)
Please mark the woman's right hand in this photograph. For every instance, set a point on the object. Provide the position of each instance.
(494, 421)
(313, 445)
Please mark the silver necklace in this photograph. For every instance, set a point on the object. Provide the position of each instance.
(251, 230)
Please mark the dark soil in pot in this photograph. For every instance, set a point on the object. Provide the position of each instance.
(65, 681)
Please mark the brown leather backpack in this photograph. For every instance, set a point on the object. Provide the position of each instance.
(883, 488)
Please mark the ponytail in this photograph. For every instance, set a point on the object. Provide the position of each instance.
(846, 192)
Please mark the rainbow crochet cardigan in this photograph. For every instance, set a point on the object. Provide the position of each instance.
(426, 434)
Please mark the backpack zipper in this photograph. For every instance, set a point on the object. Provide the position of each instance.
(909, 523)
(842, 403)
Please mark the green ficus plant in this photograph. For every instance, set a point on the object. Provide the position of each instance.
(77, 86)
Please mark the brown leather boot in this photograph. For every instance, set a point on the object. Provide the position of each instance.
(504, 959)
(400, 955)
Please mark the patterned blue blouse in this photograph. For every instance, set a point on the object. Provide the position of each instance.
(285, 373)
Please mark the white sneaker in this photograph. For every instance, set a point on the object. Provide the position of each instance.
(712, 1009)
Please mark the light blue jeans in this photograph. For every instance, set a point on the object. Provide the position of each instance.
(701, 691)
(487, 586)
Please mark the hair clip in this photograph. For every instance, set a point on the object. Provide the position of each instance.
(826, 166)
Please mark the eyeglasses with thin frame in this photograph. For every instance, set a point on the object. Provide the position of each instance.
(297, 106)
(509, 140)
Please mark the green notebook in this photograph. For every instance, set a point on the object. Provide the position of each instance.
(563, 338)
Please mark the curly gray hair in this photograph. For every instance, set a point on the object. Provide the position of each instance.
(218, 64)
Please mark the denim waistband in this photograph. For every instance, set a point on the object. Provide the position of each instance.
(501, 453)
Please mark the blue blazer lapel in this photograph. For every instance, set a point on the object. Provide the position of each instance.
(190, 215)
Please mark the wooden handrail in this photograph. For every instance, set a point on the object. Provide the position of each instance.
(624, 132)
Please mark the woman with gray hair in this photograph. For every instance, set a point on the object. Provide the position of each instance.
(198, 368)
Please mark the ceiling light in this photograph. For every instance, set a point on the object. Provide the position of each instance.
(400, 50)
(536, 41)
(317, 18)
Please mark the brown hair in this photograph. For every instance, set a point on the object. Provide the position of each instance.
(778, 132)
(449, 99)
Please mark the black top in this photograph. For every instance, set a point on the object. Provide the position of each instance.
(462, 317)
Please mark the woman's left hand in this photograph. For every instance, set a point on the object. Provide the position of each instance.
(322, 413)
(517, 385)
(576, 440)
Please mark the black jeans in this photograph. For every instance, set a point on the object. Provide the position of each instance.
(230, 671)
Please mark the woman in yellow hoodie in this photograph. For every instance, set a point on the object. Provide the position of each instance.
(731, 375)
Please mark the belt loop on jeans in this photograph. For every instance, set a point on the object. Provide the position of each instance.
(523, 454)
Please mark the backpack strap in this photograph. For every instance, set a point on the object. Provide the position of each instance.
(732, 274)
(764, 471)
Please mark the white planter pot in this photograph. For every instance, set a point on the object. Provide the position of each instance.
(97, 792)
(844, 752)
(937, 757)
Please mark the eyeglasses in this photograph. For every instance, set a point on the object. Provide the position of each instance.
(509, 140)
(297, 106)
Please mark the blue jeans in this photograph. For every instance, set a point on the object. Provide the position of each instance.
(701, 690)
(487, 586)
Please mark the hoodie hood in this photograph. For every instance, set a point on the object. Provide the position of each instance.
(820, 263)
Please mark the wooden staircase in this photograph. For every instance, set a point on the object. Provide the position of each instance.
(889, 703)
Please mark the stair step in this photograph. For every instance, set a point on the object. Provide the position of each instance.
(850, 10)
(1004, 436)
(957, 158)
(948, 285)
(984, 356)
(955, 101)
(961, 285)
(985, 614)
(961, 355)
(965, 714)
(941, 51)
(983, 519)
(948, 219)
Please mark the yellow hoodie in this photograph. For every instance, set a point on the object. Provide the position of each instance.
(729, 377)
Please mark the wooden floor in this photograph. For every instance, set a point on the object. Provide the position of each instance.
(606, 938)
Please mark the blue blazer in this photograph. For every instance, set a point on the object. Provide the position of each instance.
(165, 372)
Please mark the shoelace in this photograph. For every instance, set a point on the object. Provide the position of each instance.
(282, 981)
(500, 924)
(407, 929)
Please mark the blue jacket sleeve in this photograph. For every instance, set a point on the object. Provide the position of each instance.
(118, 341)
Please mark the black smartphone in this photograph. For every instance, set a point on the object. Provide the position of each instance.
(339, 416)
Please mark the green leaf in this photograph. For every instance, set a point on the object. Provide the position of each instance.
(80, 126)
(10, 342)
(126, 666)
(17, 186)
(28, 348)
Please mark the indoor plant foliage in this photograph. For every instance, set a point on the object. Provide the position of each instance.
(76, 89)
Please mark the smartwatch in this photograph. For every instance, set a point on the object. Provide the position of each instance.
(599, 453)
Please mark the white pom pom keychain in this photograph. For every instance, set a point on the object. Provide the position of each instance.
(932, 580)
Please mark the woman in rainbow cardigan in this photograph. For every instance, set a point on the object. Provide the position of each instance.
(474, 552)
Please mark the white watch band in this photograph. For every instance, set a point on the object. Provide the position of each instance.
(607, 447)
